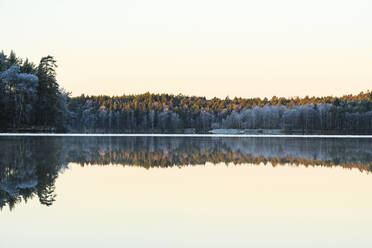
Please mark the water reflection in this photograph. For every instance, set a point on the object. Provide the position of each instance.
(29, 166)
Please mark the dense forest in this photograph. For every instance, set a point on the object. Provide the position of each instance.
(30, 96)
(31, 100)
(30, 166)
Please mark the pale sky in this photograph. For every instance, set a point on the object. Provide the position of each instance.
(195, 47)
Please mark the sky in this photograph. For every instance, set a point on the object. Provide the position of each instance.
(197, 47)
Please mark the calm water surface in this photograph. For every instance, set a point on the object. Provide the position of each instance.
(185, 192)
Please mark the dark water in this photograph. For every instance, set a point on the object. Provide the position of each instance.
(185, 192)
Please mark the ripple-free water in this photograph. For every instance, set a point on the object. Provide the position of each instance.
(184, 191)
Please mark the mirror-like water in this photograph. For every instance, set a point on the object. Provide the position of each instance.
(185, 192)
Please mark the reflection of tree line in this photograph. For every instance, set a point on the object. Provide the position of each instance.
(28, 169)
(165, 152)
(30, 166)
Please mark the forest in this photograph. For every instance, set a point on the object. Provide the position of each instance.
(31, 100)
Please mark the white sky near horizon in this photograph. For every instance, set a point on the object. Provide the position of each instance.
(211, 48)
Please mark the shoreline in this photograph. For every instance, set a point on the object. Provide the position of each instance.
(183, 135)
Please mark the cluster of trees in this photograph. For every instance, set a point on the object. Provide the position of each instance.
(169, 113)
(30, 97)
(29, 166)
(348, 117)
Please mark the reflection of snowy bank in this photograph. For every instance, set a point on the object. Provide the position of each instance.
(248, 131)
(227, 131)
(12, 188)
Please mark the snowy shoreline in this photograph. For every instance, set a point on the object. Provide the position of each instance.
(183, 135)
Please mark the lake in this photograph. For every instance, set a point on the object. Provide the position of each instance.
(185, 191)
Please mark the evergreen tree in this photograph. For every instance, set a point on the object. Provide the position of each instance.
(47, 108)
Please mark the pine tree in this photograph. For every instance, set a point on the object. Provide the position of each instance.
(47, 109)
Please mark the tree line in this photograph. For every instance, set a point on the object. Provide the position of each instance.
(177, 113)
(31, 99)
